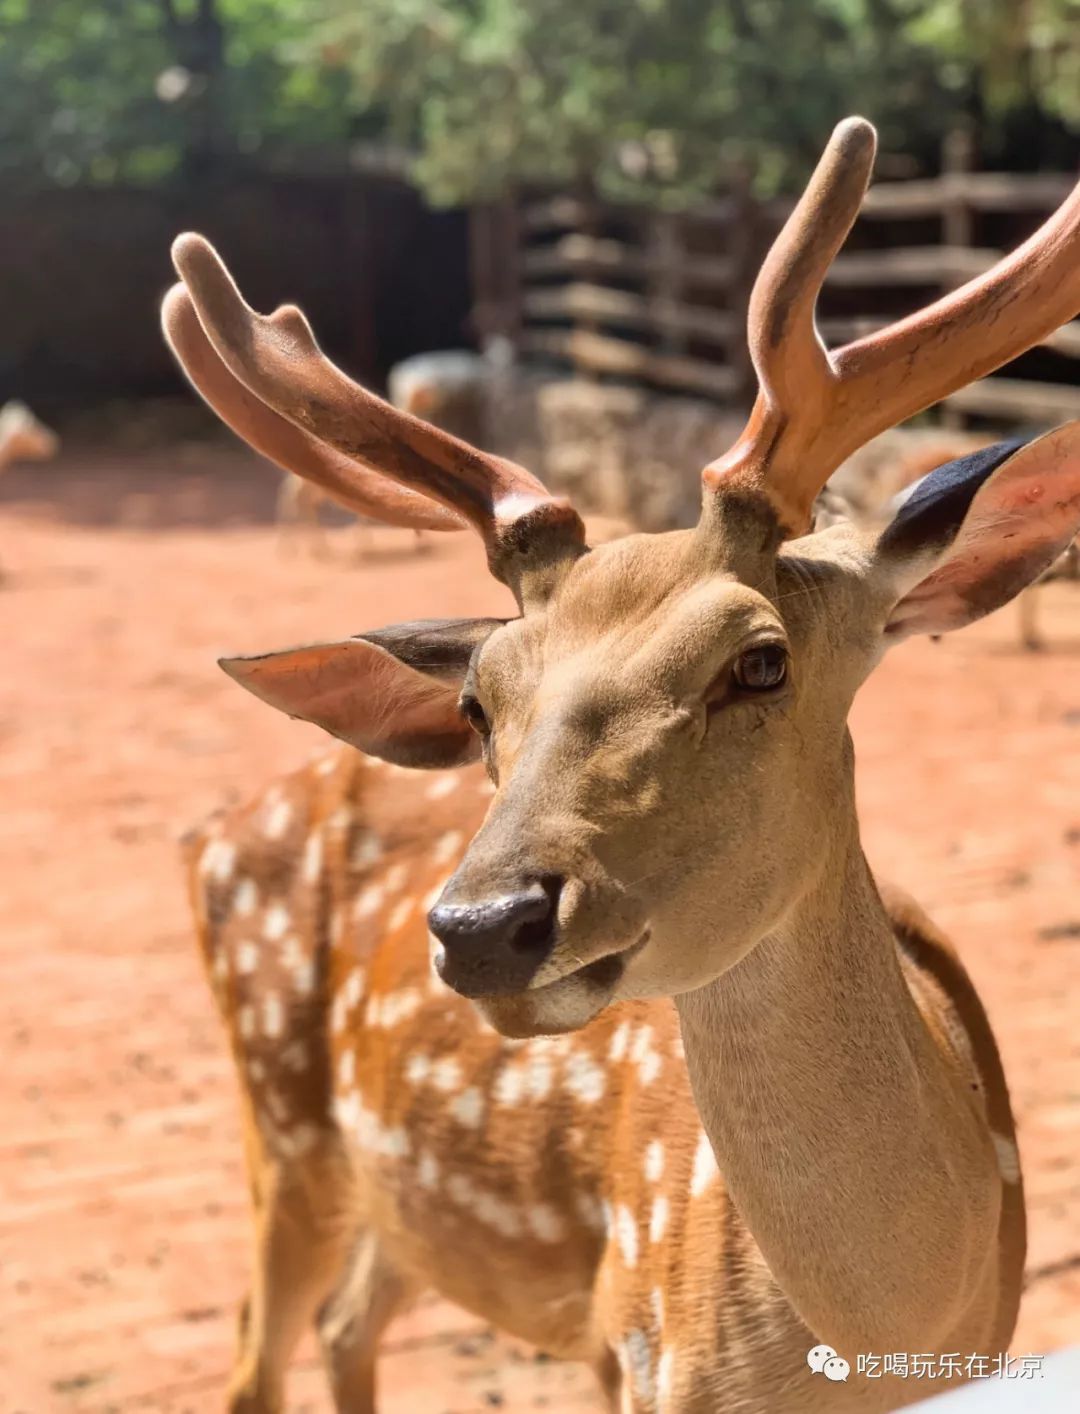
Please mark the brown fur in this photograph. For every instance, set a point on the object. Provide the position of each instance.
(396, 1143)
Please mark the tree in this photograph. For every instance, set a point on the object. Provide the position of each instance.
(102, 90)
(662, 94)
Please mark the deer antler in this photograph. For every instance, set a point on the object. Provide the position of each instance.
(276, 359)
(815, 408)
(357, 487)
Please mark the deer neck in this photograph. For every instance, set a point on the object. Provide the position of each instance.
(848, 1144)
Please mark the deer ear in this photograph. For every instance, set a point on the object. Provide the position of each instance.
(392, 693)
(971, 535)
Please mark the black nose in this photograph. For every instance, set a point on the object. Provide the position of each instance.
(496, 946)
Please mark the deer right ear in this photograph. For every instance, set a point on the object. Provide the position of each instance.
(392, 693)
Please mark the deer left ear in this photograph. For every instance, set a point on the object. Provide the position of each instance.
(973, 533)
(392, 693)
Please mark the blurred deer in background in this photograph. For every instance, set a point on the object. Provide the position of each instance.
(450, 389)
(669, 813)
(23, 437)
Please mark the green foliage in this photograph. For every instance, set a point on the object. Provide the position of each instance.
(638, 97)
(665, 95)
(104, 90)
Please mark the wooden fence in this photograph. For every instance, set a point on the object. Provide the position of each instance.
(646, 297)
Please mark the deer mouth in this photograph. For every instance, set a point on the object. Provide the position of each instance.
(565, 1004)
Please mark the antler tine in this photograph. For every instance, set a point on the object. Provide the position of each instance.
(359, 488)
(275, 357)
(815, 408)
(897, 372)
(784, 343)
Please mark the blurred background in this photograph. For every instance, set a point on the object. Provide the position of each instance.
(537, 224)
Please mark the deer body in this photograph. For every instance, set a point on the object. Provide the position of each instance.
(663, 721)
(561, 1188)
(23, 437)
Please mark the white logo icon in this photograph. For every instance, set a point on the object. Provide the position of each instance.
(823, 1360)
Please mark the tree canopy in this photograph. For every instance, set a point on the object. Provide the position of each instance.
(632, 95)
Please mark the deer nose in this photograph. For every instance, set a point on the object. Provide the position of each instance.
(495, 946)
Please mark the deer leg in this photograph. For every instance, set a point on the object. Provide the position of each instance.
(1029, 632)
(299, 1250)
(350, 1324)
(611, 1381)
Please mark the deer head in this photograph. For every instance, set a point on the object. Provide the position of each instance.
(665, 719)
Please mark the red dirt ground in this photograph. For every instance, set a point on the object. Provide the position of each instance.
(122, 1207)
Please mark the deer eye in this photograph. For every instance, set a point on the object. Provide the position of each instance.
(475, 715)
(762, 669)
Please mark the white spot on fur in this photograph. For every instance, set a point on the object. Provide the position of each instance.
(368, 903)
(447, 847)
(401, 915)
(510, 1086)
(619, 1041)
(245, 1021)
(311, 867)
(1007, 1157)
(304, 976)
(427, 1172)
(347, 1069)
(326, 764)
(277, 817)
(584, 1078)
(246, 898)
(394, 1008)
(654, 1161)
(590, 1210)
(626, 1235)
(656, 1301)
(273, 1016)
(218, 860)
(247, 958)
(665, 1372)
(417, 1069)
(446, 1075)
(468, 1108)
(644, 1056)
(539, 1077)
(295, 1057)
(394, 879)
(442, 787)
(276, 923)
(658, 1218)
(705, 1169)
(546, 1223)
(220, 968)
(353, 989)
(639, 1364)
(366, 850)
(256, 1069)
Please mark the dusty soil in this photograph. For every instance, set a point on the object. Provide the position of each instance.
(122, 1207)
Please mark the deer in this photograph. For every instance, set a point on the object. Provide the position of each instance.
(448, 388)
(643, 790)
(23, 437)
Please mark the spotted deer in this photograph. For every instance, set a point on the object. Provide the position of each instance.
(669, 814)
